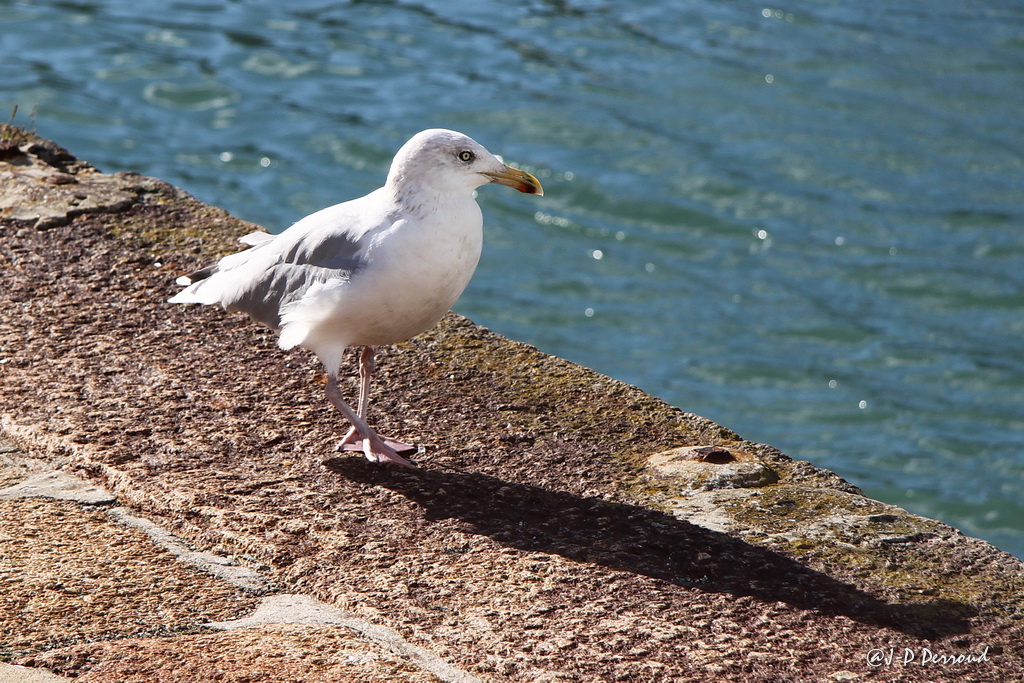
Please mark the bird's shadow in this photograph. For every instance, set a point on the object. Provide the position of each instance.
(647, 542)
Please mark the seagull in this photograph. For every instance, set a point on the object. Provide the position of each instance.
(375, 270)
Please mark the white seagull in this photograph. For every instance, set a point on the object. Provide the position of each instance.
(375, 270)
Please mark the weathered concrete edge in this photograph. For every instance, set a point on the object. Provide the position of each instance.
(275, 608)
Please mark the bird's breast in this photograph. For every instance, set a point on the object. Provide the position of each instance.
(415, 272)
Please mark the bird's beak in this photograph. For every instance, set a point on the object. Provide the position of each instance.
(520, 180)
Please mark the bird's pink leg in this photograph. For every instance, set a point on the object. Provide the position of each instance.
(352, 440)
(367, 365)
(372, 446)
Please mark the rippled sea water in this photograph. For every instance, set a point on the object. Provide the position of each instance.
(804, 221)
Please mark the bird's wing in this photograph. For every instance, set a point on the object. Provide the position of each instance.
(327, 245)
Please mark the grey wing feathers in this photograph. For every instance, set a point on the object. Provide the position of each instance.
(273, 289)
(306, 262)
(334, 250)
(277, 270)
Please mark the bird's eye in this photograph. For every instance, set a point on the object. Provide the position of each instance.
(466, 155)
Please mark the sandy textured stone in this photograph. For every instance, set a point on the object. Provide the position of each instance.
(536, 542)
(313, 654)
(69, 574)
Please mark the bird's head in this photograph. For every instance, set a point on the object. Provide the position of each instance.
(449, 161)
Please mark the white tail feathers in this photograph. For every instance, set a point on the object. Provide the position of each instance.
(195, 294)
(211, 287)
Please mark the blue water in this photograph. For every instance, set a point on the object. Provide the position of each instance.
(803, 221)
